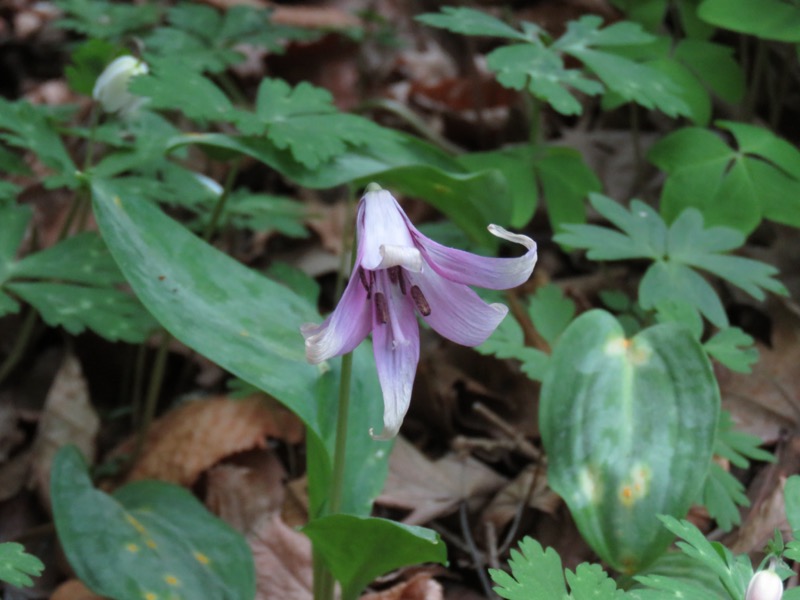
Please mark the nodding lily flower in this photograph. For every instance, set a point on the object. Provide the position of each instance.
(111, 88)
(399, 272)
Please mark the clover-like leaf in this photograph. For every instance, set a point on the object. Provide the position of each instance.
(17, 566)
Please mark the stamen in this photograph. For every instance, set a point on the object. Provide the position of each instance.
(401, 281)
(381, 308)
(419, 299)
(394, 273)
(362, 276)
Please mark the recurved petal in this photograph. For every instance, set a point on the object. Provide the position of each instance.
(344, 329)
(482, 271)
(456, 312)
(381, 223)
(396, 347)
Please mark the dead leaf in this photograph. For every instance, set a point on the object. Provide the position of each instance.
(421, 586)
(283, 561)
(67, 418)
(431, 489)
(529, 488)
(768, 400)
(74, 590)
(196, 435)
(242, 493)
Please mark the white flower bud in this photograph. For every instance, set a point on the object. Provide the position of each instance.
(212, 186)
(111, 88)
(765, 585)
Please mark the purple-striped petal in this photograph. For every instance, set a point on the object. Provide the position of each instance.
(344, 329)
(381, 226)
(482, 271)
(456, 312)
(396, 347)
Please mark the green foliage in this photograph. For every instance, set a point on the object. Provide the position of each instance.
(768, 19)
(382, 546)
(538, 65)
(241, 333)
(677, 252)
(628, 426)
(72, 284)
(148, 539)
(395, 160)
(105, 20)
(723, 494)
(538, 573)
(88, 61)
(205, 39)
(561, 173)
(733, 348)
(550, 312)
(27, 126)
(304, 120)
(17, 566)
(733, 187)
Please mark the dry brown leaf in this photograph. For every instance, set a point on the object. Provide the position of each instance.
(14, 474)
(432, 489)
(768, 400)
(283, 561)
(242, 493)
(74, 590)
(67, 418)
(504, 506)
(421, 586)
(761, 522)
(196, 435)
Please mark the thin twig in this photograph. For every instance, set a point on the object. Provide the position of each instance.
(474, 551)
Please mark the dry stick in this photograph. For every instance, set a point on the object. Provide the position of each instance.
(507, 428)
(491, 544)
(532, 337)
(474, 551)
(512, 531)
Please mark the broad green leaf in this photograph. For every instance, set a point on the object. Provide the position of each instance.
(535, 573)
(566, 181)
(551, 312)
(470, 22)
(768, 19)
(666, 280)
(609, 408)
(359, 549)
(791, 493)
(17, 566)
(149, 540)
(650, 13)
(250, 327)
(171, 86)
(471, 200)
(585, 32)
(13, 222)
(715, 65)
(304, 120)
(515, 164)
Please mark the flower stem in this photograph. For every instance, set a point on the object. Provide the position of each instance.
(337, 484)
(20, 344)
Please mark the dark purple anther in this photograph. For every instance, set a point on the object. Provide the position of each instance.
(381, 308)
(419, 299)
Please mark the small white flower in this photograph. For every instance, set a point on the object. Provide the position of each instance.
(211, 185)
(765, 585)
(111, 88)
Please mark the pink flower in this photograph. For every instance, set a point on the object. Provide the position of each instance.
(399, 272)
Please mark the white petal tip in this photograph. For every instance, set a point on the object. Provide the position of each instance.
(385, 435)
(500, 232)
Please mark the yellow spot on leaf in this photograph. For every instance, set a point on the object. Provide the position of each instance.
(132, 547)
(151, 543)
(117, 201)
(244, 333)
(136, 525)
(172, 580)
(202, 558)
(150, 596)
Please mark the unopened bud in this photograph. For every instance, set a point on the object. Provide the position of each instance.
(765, 585)
(111, 88)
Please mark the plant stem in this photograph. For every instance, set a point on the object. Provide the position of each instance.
(21, 343)
(221, 202)
(759, 65)
(535, 117)
(153, 391)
